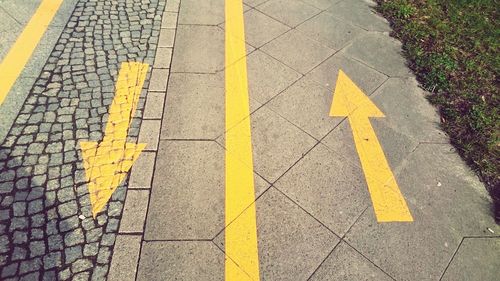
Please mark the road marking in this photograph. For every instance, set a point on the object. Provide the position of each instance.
(241, 237)
(107, 163)
(19, 54)
(348, 100)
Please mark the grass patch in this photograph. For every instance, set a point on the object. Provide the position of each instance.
(452, 46)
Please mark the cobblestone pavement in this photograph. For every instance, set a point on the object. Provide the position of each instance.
(46, 226)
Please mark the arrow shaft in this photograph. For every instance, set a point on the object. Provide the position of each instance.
(388, 202)
(128, 90)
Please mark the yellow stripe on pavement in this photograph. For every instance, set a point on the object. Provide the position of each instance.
(241, 236)
(388, 202)
(19, 54)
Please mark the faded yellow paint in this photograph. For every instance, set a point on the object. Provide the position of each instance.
(388, 202)
(241, 234)
(19, 54)
(107, 163)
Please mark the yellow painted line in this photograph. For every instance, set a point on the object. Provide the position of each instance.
(107, 163)
(241, 236)
(388, 202)
(19, 54)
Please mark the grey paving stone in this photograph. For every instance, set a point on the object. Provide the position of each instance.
(328, 187)
(344, 263)
(134, 211)
(381, 52)
(172, 5)
(330, 31)
(150, 134)
(291, 243)
(297, 51)
(476, 260)
(307, 105)
(270, 134)
(366, 78)
(187, 200)
(163, 58)
(208, 12)
(169, 20)
(289, 12)
(254, 3)
(267, 77)
(142, 172)
(202, 51)
(167, 38)
(195, 107)
(181, 260)
(256, 22)
(361, 13)
(419, 121)
(322, 4)
(154, 105)
(125, 258)
(447, 202)
(159, 80)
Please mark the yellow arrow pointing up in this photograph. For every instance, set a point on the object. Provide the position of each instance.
(350, 101)
(107, 163)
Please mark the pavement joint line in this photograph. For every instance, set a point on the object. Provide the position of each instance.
(21, 51)
(323, 261)
(369, 260)
(451, 259)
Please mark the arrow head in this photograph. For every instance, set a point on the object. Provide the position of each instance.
(349, 99)
(106, 166)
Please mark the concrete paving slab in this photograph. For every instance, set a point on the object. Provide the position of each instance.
(344, 263)
(154, 105)
(142, 172)
(271, 134)
(361, 13)
(476, 260)
(134, 211)
(328, 187)
(254, 3)
(289, 12)
(330, 31)
(381, 52)
(268, 77)
(291, 243)
(167, 38)
(172, 5)
(366, 78)
(297, 51)
(195, 107)
(181, 260)
(207, 12)
(256, 22)
(307, 105)
(169, 20)
(150, 134)
(125, 258)
(21, 10)
(163, 58)
(202, 51)
(446, 204)
(159, 80)
(187, 200)
(321, 4)
(407, 111)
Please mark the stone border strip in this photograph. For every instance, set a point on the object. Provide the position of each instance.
(125, 260)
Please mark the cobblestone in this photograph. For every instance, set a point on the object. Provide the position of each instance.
(42, 181)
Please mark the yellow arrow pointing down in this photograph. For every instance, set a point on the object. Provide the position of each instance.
(350, 101)
(107, 163)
